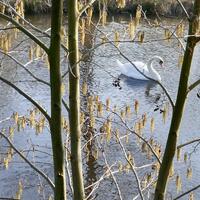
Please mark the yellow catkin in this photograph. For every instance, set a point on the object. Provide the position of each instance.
(171, 170)
(11, 131)
(144, 147)
(96, 154)
(19, 191)
(108, 104)
(152, 125)
(121, 3)
(117, 38)
(191, 196)
(180, 61)
(144, 119)
(128, 111)
(16, 117)
(178, 153)
(62, 33)
(37, 51)
(32, 118)
(23, 122)
(180, 30)
(185, 157)
(62, 89)
(108, 130)
(136, 106)
(84, 88)
(136, 127)
(47, 62)
(92, 121)
(131, 29)
(99, 109)
(178, 183)
(149, 177)
(130, 158)
(122, 114)
(127, 137)
(141, 36)
(6, 162)
(138, 15)
(2, 8)
(90, 13)
(30, 53)
(189, 173)
(104, 17)
(82, 32)
(120, 166)
(82, 118)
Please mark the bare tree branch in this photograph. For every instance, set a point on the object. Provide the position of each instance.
(187, 192)
(193, 85)
(184, 10)
(86, 7)
(27, 70)
(25, 31)
(132, 168)
(27, 97)
(188, 143)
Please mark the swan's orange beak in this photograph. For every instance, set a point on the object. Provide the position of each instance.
(161, 63)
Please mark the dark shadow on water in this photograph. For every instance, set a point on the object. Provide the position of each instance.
(135, 83)
(147, 85)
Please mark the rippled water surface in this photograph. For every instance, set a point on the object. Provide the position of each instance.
(102, 71)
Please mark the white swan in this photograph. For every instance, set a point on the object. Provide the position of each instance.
(129, 70)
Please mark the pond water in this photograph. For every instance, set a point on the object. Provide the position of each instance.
(100, 73)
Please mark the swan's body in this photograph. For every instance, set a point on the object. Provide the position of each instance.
(129, 69)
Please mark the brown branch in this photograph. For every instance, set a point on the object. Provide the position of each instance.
(193, 85)
(132, 168)
(27, 70)
(28, 162)
(86, 7)
(184, 10)
(25, 31)
(188, 143)
(187, 192)
(27, 97)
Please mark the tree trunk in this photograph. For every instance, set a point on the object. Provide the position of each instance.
(170, 149)
(74, 101)
(55, 80)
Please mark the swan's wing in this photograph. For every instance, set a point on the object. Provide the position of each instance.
(122, 67)
(132, 72)
(141, 66)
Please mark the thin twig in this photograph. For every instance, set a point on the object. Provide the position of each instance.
(184, 10)
(132, 168)
(23, 66)
(187, 192)
(85, 7)
(188, 143)
(193, 85)
(28, 162)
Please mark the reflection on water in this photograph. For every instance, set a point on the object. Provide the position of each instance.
(98, 69)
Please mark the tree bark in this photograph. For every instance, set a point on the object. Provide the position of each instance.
(74, 101)
(55, 81)
(170, 149)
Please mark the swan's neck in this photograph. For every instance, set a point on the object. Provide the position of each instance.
(154, 74)
(150, 66)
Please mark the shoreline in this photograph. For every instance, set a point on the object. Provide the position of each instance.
(162, 8)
